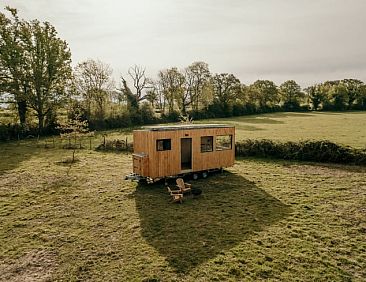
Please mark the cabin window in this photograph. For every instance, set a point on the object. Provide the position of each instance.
(163, 144)
(206, 144)
(224, 142)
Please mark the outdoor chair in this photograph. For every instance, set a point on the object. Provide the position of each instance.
(183, 187)
(177, 195)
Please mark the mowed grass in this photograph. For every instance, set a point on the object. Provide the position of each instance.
(260, 220)
(346, 128)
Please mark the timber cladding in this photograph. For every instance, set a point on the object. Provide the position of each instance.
(160, 149)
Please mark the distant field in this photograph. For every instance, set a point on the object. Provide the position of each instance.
(348, 128)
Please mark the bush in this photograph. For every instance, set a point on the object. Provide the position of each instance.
(115, 145)
(147, 114)
(171, 117)
(315, 151)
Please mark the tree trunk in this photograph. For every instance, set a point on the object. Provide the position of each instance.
(40, 122)
(22, 112)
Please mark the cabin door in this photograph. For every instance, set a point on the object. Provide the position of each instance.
(186, 153)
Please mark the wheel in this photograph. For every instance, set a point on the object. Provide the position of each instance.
(204, 174)
(195, 176)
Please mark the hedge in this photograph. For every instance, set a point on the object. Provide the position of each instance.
(309, 150)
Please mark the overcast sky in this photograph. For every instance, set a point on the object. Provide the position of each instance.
(309, 41)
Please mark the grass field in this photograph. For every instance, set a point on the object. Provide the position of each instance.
(260, 220)
(347, 128)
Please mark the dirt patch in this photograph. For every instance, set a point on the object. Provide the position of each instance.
(36, 265)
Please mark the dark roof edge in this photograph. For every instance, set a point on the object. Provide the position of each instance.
(184, 127)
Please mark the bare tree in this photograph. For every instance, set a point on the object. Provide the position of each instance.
(140, 81)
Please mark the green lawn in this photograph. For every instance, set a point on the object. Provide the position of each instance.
(346, 128)
(259, 220)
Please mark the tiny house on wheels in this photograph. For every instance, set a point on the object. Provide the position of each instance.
(178, 150)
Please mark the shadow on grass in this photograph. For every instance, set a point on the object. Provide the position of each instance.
(12, 155)
(296, 163)
(260, 120)
(247, 127)
(230, 210)
(290, 114)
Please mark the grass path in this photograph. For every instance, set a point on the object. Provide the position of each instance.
(259, 220)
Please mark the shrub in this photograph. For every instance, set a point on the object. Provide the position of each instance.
(316, 151)
(171, 117)
(115, 145)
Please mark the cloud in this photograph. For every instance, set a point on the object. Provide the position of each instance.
(281, 39)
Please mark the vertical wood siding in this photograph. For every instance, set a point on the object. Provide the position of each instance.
(165, 163)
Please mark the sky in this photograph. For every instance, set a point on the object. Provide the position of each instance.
(308, 41)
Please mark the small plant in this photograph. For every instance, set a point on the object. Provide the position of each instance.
(115, 145)
(74, 131)
(186, 119)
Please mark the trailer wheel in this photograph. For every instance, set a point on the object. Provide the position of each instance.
(195, 176)
(204, 174)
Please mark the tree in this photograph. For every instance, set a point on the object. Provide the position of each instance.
(49, 69)
(315, 95)
(226, 88)
(140, 81)
(155, 94)
(197, 75)
(94, 82)
(361, 101)
(13, 66)
(35, 66)
(291, 94)
(353, 89)
(265, 92)
(338, 96)
(75, 130)
(132, 100)
(152, 96)
(172, 83)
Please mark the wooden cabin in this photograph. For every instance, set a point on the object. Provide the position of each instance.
(175, 150)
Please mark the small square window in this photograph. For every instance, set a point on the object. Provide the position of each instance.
(163, 144)
(224, 142)
(206, 144)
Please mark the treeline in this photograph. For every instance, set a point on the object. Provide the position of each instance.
(44, 90)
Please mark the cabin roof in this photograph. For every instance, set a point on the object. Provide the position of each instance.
(184, 127)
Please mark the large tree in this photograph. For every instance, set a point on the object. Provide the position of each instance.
(354, 90)
(291, 94)
(226, 88)
(265, 93)
(172, 82)
(49, 68)
(35, 65)
(13, 64)
(315, 95)
(197, 76)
